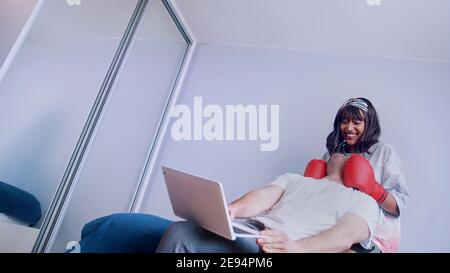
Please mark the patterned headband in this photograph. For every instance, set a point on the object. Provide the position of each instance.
(358, 103)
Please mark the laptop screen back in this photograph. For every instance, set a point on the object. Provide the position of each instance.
(197, 199)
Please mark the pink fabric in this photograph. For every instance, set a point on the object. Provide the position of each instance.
(387, 234)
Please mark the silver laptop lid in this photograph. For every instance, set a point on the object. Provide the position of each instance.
(198, 199)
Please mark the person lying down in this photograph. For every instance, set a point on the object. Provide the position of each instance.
(294, 213)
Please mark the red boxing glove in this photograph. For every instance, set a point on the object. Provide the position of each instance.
(316, 169)
(358, 174)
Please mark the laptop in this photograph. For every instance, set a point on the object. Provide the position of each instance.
(201, 200)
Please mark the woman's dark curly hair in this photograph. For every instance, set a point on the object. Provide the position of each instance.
(372, 131)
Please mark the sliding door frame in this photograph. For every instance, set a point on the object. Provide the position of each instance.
(152, 155)
(53, 218)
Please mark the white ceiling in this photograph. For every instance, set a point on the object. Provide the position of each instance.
(416, 29)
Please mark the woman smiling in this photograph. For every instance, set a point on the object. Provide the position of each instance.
(356, 130)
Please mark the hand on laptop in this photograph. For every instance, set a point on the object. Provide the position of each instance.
(276, 241)
(232, 209)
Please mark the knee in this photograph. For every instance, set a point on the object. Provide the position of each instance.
(178, 237)
(181, 229)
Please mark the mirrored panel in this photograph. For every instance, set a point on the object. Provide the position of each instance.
(117, 159)
(46, 95)
(13, 17)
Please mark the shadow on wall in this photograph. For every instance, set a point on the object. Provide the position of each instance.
(27, 162)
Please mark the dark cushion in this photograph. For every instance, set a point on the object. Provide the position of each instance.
(19, 204)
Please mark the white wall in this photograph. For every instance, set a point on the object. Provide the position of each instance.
(411, 98)
(13, 16)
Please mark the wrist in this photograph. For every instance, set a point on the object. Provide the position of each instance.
(236, 208)
(303, 246)
(379, 193)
